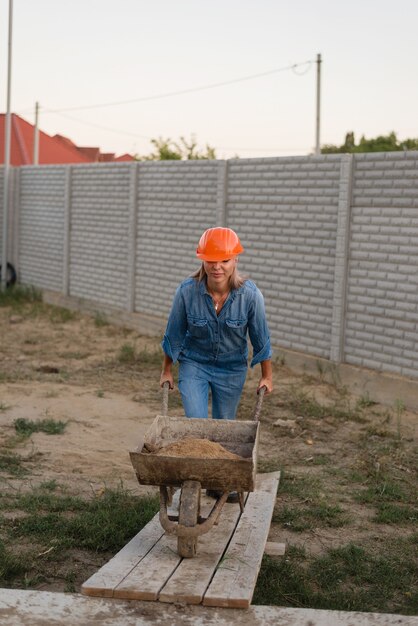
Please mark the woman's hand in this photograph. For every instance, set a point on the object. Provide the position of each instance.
(167, 377)
(266, 379)
(266, 382)
(166, 374)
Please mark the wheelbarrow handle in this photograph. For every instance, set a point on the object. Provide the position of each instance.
(260, 396)
(164, 407)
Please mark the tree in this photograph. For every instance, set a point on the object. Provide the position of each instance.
(382, 143)
(168, 150)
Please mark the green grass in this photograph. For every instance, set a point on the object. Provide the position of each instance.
(18, 295)
(103, 523)
(70, 578)
(264, 466)
(365, 401)
(35, 543)
(25, 427)
(77, 355)
(399, 409)
(49, 485)
(300, 486)
(301, 403)
(60, 315)
(384, 491)
(389, 513)
(349, 578)
(11, 565)
(303, 505)
(307, 517)
(12, 464)
(128, 355)
(100, 320)
(321, 459)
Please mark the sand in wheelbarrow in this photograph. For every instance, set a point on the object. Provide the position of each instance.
(199, 448)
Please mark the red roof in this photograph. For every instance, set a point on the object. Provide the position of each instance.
(105, 157)
(125, 157)
(57, 149)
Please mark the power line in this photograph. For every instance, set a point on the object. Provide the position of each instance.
(136, 135)
(100, 127)
(275, 150)
(184, 91)
(131, 134)
(62, 112)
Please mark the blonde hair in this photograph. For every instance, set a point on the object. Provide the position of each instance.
(235, 280)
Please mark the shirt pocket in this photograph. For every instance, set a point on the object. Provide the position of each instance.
(236, 328)
(198, 327)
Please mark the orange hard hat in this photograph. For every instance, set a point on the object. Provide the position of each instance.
(218, 244)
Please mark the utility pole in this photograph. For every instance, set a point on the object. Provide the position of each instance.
(6, 169)
(318, 105)
(36, 136)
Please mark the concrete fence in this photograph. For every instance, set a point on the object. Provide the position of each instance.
(332, 241)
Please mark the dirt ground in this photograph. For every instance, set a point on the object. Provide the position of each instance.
(103, 381)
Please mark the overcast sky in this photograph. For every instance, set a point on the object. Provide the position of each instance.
(82, 53)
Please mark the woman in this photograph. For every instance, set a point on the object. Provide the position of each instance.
(212, 314)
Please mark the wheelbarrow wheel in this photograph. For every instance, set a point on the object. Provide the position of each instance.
(189, 511)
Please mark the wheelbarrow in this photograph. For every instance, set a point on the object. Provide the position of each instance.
(192, 474)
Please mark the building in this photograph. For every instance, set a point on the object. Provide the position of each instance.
(52, 150)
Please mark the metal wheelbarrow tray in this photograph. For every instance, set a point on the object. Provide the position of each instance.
(212, 473)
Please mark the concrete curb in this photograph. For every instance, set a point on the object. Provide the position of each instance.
(43, 608)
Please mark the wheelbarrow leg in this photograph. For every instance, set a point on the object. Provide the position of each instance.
(189, 511)
(171, 491)
(241, 500)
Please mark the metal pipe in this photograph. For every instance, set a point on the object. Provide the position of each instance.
(36, 136)
(7, 144)
(318, 105)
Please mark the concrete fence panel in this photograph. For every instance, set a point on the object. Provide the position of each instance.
(331, 241)
(176, 202)
(382, 299)
(41, 226)
(286, 213)
(99, 233)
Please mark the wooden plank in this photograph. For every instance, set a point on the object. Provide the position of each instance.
(148, 578)
(145, 581)
(149, 567)
(192, 577)
(234, 581)
(275, 549)
(108, 577)
(104, 581)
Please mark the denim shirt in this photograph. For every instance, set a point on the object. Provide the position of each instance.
(194, 330)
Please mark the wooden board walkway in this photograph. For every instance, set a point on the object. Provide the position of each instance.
(223, 573)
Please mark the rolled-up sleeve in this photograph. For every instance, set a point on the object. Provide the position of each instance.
(176, 329)
(258, 330)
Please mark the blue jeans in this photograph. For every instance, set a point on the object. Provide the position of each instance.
(195, 380)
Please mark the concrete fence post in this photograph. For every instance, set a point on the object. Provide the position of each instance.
(67, 232)
(341, 259)
(133, 218)
(221, 193)
(16, 219)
